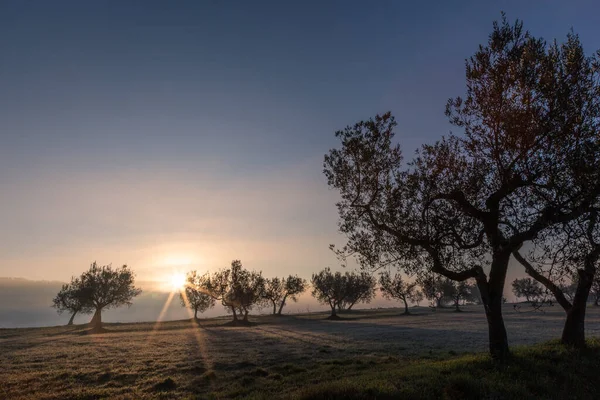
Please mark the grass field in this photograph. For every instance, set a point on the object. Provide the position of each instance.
(369, 354)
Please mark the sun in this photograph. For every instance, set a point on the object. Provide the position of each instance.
(177, 281)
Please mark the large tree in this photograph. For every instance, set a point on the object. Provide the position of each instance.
(528, 288)
(528, 125)
(72, 298)
(107, 287)
(238, 289)
(278, 291)
(194, 295)
(395, 287)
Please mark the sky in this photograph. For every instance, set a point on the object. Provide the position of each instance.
(181, 135)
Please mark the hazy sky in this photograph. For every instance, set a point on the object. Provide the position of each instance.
(177, 135)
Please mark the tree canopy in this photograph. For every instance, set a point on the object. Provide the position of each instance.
(194, 295)
(278, 291)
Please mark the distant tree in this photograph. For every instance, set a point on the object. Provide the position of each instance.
(434, 288)
(194, 295)
(418, 296)
(329, 288)
(238, 289)
(457, 291)
(528, 288)
(394, 287)
(278, 291)
(72, 298)
(107, 287)
(358, 288)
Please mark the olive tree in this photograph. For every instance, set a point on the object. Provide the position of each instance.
(528, 288)
(359, 288)
(72, 298)
(342, 291)
(278, 291)
(238, 289)
(194, 295)
(107, 287)
(395, 287)
(526, 159)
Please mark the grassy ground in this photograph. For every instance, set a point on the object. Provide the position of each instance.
(370, 354)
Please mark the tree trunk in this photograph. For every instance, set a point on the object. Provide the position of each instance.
(406, 312)
(97, 319)
(333, 313)
(491, 295)
(456, 307)
(245, 315)
(574, 330)
(235, 318)
(274, 308)
(71, 319)
(196, 314)
(282, 304)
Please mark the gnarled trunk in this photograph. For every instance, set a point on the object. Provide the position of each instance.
(333, 312)
(274, 308)
(196, 314)
(245, 315)
(235, 318)
(71, 319)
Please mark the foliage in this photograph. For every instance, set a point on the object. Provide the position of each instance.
(194, 295)
(74, 298)
(278, 291)
(528, 288)
(359, 288)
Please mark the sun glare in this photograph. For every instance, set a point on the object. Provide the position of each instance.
(177, 281)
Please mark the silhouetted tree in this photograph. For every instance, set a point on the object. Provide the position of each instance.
(194, 294)
(358, 288)
(527, 159)
(107, 287)
(238, 289)
(333, 289)
(394, 287)
(72, 298)
(457, 291)
(278, 291)
(434, 288)
(418, 296)
(528, 288)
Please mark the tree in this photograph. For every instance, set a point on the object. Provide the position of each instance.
(396, 288)
(526, 160)
(329, 288)
(194, 295)
(418, 296)
(107, 287)
(434, 289)
(358, 288)
(72, 298)
(238, 289)
(277, 291)
(459, 290)
(528, 288)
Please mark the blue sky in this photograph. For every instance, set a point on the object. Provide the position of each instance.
(184, 134)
